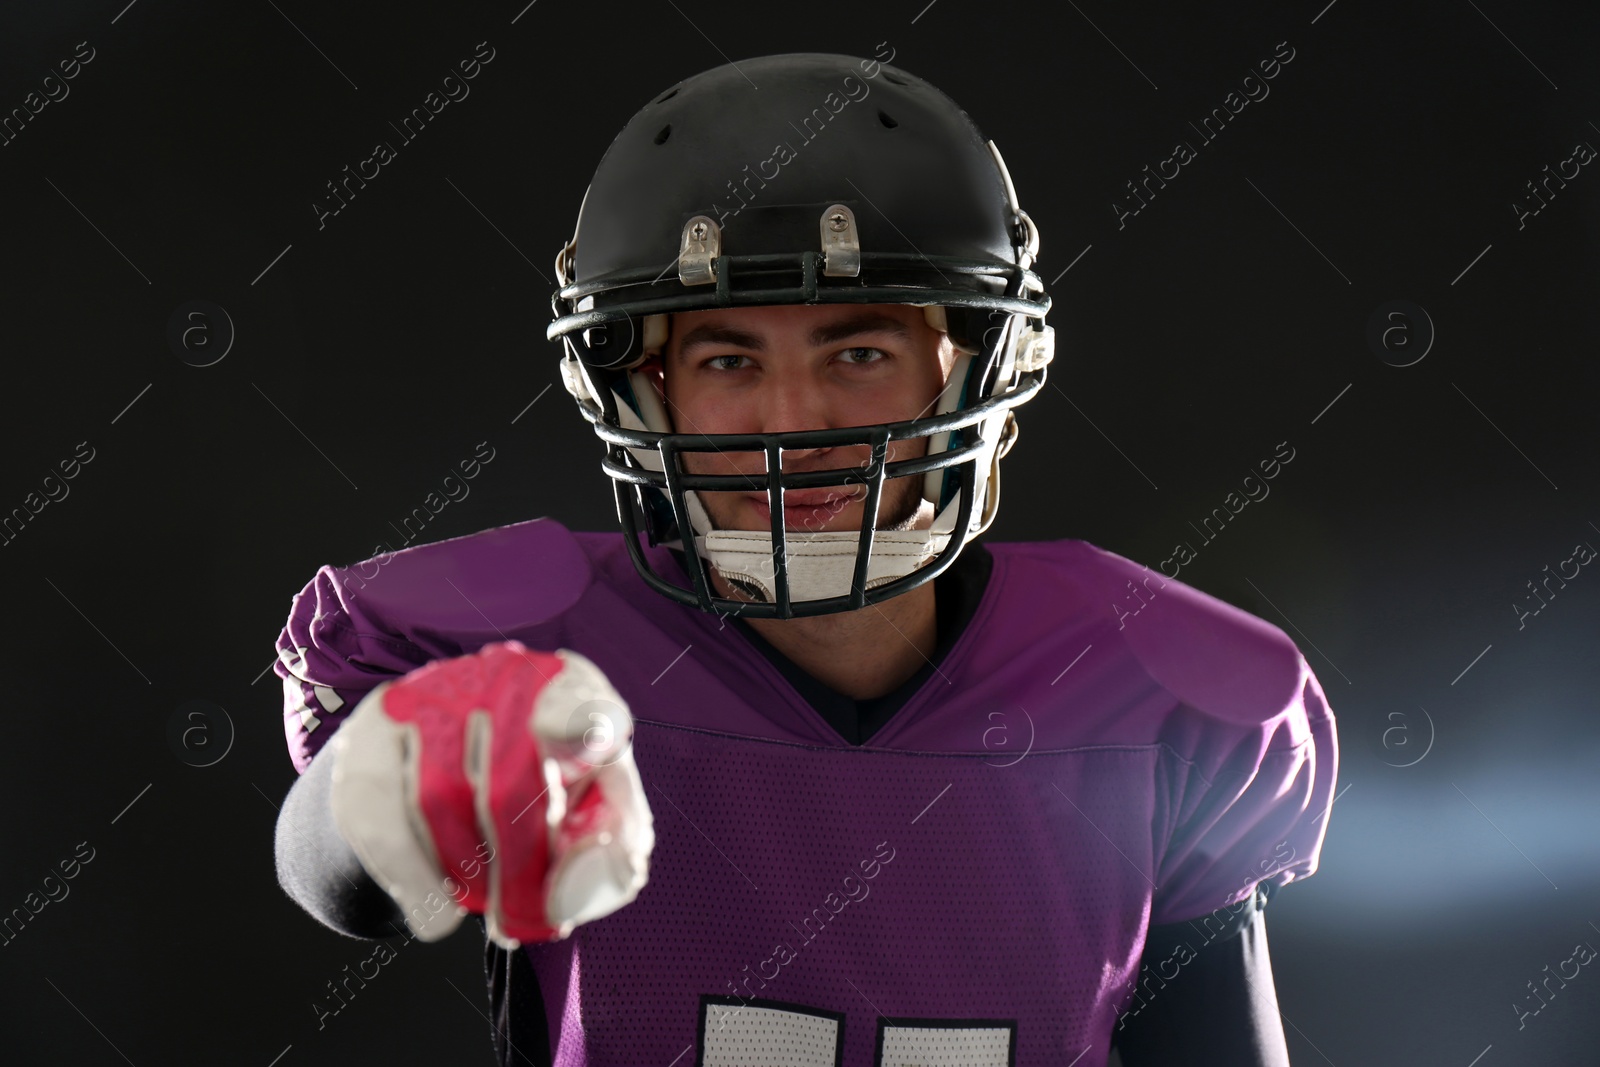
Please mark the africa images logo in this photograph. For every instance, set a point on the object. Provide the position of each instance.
(1211, 126)
(411, 126)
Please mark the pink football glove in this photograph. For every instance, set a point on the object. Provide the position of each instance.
(499, 783)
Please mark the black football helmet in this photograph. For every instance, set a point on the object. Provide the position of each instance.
(838, 180)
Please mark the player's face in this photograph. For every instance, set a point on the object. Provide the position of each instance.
(804, 367)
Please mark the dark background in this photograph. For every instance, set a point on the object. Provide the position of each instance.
(373, 354)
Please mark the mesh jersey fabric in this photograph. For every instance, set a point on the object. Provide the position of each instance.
(1074, 773)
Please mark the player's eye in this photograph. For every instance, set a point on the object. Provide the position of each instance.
(715, 365)
(849, 355)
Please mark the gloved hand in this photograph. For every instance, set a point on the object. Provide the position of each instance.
(499, 783)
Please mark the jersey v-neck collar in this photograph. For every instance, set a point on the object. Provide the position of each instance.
(958, 592)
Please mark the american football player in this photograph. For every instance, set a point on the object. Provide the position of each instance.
(795, 768)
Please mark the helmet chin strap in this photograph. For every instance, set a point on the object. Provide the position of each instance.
(819, 564)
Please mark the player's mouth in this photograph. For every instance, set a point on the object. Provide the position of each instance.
(804, 508)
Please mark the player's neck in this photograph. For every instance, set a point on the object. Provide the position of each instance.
(861, 654)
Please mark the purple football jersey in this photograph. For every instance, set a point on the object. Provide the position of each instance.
(1102, 749)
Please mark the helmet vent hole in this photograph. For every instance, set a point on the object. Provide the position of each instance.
(668, 95)
(666, 131)
(888, 121)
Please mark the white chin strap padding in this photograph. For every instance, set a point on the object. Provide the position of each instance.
(819, 565)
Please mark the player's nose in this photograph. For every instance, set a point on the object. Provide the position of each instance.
(792, 401)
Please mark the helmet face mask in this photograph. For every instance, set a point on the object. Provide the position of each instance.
(795, 367)
(856, 221)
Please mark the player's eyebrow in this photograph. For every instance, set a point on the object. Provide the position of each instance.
(709, 335)
(869, 322)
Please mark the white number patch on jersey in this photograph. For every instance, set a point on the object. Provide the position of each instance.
(768, 1033)
(946, 1043)
(771, 1033)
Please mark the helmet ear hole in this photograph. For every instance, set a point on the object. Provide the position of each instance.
(612, 345)
(953, 321)
(967, 327)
